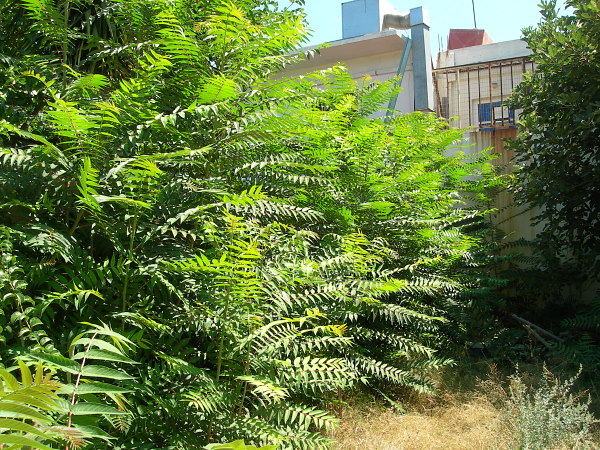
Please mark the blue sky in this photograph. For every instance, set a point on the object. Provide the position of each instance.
(503, 20)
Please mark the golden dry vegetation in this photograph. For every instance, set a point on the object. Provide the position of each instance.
(468, 414)
(475, 424)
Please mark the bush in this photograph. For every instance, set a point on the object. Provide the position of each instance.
(548, 415)
(265, 244)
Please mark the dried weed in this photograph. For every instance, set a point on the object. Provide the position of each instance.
(473, 425)
(479, 411)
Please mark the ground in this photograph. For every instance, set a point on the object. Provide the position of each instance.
(473, 425)
(475, 408)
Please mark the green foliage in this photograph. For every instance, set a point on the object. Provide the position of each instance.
(238, 445)
(40, 411)
(261, 244)
(560, 118)
(32, 399)
(94, 378)
(581, 347)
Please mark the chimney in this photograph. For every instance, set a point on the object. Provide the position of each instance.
(421, 59)
(360, 17)
(467, 38)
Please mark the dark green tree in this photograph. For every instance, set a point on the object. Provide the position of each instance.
(558, 149)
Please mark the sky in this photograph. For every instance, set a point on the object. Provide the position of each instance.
(502, 19)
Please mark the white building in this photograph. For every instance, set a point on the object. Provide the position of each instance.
(468, 85)
(371, 48)
(472, 82)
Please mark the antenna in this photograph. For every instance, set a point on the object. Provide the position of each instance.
(474, 17)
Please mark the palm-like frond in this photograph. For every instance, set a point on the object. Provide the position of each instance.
(263, 241)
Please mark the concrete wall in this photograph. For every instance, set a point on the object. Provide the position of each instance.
(483, 53)
(375, 56)
(517, 221)
(513, 220)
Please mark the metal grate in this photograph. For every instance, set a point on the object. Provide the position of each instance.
(474, 95)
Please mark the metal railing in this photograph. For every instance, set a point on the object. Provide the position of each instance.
(474, 95)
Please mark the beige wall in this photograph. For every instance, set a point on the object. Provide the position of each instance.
(513, 220)
(373, 57)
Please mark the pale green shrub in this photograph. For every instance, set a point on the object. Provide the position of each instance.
(548, 415)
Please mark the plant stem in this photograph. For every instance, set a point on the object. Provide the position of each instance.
(65, 45)
(77, 381)
(76, 223)
(130, 259)
(222, 338)
(246, 363)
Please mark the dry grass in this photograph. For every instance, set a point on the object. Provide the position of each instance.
(463, 416)
(469, 414)
(472, 425)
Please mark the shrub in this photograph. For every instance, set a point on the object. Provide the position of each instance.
(265, 244)
(548, 415)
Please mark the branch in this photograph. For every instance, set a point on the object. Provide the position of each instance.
(533, 326)
(537, 336)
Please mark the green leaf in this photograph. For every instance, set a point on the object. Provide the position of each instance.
(22, 441)
(90, 81)
(10, 380)
(58, 361)
(106, 331)
(39, 400)
(104, 355)
(124, 200)
(17, 425)
(92, 432)
(9, 409)
(99, 343)
(26, 377)
(238, 445)
(217, 89)
(105, 372)
(82, 409)
(94, 387)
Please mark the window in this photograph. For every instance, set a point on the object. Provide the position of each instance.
(495, 114)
